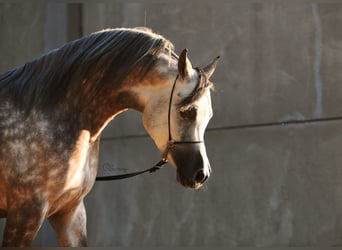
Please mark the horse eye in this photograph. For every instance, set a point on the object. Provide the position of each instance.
(189, 114)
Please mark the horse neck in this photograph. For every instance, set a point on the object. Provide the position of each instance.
(133, 93)
(103, 108)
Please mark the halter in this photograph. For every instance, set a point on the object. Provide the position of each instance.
(170, 144)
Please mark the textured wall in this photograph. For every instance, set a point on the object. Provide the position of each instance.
(273, 183)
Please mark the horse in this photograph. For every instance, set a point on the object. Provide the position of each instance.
(54, 108)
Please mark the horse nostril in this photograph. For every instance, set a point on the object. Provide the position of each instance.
(200, 177)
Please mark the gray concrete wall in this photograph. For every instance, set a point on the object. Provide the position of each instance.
(273, 183)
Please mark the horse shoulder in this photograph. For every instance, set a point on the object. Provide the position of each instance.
(82, 161)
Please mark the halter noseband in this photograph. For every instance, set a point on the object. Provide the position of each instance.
(170, 144)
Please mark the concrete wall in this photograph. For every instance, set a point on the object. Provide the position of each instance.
(273, 183)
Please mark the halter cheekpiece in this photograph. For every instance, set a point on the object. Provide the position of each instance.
(170, 144)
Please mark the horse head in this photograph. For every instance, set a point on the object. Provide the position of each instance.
(177, 115)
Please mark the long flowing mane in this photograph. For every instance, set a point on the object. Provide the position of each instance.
(86, 63)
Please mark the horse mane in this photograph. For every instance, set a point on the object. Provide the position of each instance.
(84, 65)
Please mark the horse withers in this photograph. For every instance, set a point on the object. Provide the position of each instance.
(53, 110)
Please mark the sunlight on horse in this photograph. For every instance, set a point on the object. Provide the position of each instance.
(53, 110)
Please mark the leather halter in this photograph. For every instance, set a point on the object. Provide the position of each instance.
(170, 144)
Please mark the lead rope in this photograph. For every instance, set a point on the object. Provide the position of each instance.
(162, 162)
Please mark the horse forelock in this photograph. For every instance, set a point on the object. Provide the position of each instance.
(202, 86)
(84, 65)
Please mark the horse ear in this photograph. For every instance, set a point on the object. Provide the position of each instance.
(209, 70)
(184, 65)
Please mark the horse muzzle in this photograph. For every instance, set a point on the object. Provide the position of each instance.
(193, 168)
(196, 182)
